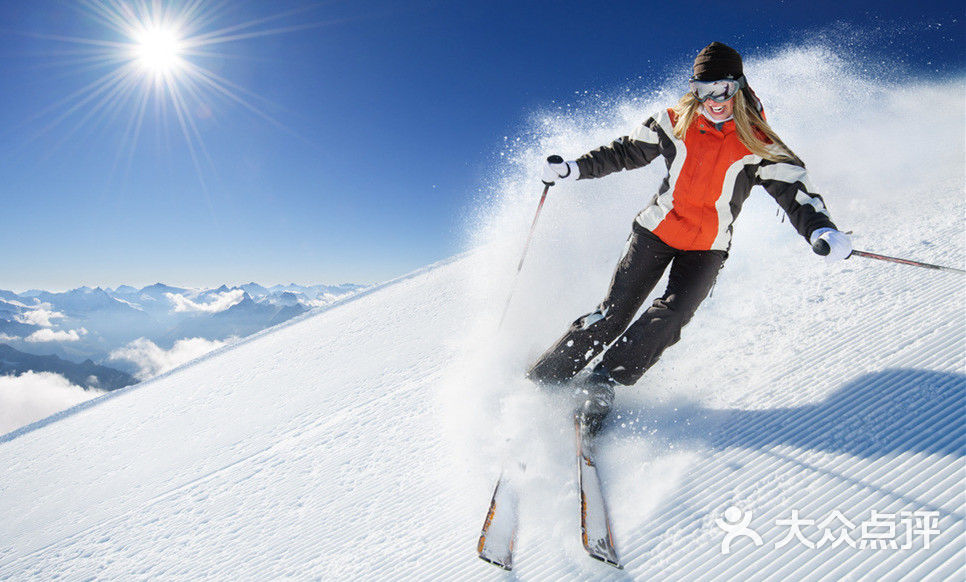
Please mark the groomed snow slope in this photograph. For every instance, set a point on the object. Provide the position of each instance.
(361, 442)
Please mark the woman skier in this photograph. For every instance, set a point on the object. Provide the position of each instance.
(717, 146)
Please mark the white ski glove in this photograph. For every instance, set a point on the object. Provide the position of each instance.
(556, 169)
(834, 245)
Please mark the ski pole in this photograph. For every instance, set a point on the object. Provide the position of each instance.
(526, 247)
(821, 248)
(907, 262)
(533, 226)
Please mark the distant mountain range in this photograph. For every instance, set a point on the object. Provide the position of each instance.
(87, 374)
(89, 323)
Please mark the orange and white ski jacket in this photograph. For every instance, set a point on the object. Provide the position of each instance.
(710, 175)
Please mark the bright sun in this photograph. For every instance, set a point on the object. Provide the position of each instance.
(154, 52)
(158, 50)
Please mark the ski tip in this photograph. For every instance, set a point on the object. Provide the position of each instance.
(611, 561)
(500, 564)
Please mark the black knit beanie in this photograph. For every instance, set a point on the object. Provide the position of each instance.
(717, 61)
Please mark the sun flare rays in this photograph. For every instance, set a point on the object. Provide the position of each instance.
(149, 64)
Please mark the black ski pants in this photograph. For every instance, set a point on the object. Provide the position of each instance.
(636, 348)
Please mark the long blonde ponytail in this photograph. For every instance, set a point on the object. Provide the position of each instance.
(749, 124)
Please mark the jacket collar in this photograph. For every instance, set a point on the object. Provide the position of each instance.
(708, 124)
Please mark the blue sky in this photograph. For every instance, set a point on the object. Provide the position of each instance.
(349, 140)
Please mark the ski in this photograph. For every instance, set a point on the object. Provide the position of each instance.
(500, 527)
(498, 535)
(595, 527)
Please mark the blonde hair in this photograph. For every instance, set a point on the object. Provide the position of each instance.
(749, 124)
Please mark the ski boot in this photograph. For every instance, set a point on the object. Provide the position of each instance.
(593, 398)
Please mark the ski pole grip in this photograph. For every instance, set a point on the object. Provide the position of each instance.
(551, 160)
(821, 248)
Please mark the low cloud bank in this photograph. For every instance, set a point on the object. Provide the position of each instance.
(35, 395)
(41, 316)
(49, 335)
(152, 360)
(219, 302)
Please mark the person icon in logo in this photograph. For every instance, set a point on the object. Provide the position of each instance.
(735, 524)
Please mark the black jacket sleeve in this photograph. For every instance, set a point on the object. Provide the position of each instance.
(788, 184)
(626, 153)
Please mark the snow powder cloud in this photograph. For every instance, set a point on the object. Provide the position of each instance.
(153, 360)
(49, 335)
(36, 395)
(220, 302)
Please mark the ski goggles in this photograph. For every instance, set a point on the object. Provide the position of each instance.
(718, 91)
